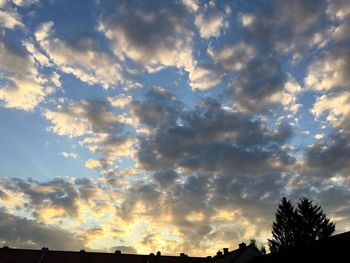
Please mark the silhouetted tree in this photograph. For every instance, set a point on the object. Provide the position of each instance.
(302, 225)
(263, 250)
(284, 227)
(313, 223)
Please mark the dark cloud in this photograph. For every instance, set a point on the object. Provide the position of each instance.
(148, 194)
(329, 158)
(258, 82)
(284, 26)
(3, 195)
(57, 193)
(24, 233)
(159, 107)
(272, 32)
(186, 199)
(152, 34)
(148, 239)
(212, 139)
(228, 160)
(165, 178)
(86, 188)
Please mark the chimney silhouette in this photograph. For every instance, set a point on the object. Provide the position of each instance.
(242, 245)
(219, 254)
(225, 251)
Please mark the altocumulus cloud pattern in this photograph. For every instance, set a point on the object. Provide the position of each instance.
(169, 125)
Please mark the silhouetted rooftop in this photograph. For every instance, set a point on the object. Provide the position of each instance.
(8, 255)
(331, 249)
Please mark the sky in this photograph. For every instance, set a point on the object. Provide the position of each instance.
(170, 125)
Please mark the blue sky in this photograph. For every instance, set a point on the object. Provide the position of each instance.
(169, 125)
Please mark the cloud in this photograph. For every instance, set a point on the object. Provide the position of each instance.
(69, 155)
(259, 85)
(192, 169)
(205, 76)
(328, 74)
(329, 158)
(210, 138)
(160, 106)
(96, 127)
(165, 178)
(266, 27)
(339, 9)
(81, 59)
(233, 57)
(93, 164)
(56, 194)
(10, 19)
(318, 136)
(329, 71)
(68, 121)
(337, 106)
(210, 25)
(24, 2)
(83, 117)
(20, 232)
(22, 86)
(120, 101)
(154, 35)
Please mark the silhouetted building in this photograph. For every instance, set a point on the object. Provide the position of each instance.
(9, 255)
(243, 254)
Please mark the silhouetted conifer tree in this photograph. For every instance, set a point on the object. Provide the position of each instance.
(313, 223)
(284, 227)
(298, 226)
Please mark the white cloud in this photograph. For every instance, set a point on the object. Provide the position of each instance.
(69, 122)
(69, 155)
(111, 147)
(339, 9)
(23, 87)
(205, 77)
(93, 164)
(10, 19)
(95, 126)
(120, 101)
(154, 38)
(318, 136)
(329, 70)
(24, 2)
(84, 62)
(210, 25)
(233, 57)
(246, 19)
(37, 55)
(23, 93)
(191, 4)
(337, 105)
